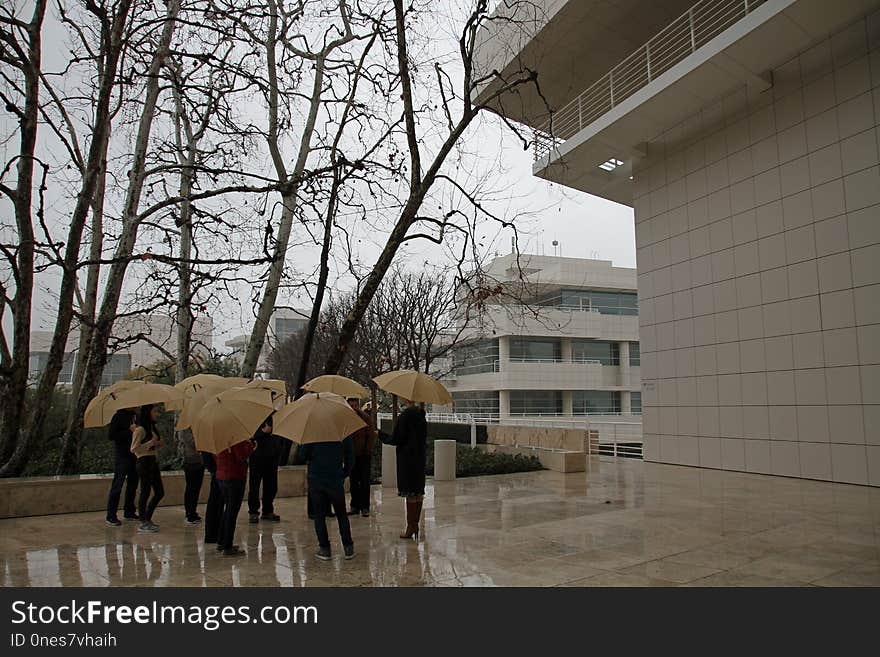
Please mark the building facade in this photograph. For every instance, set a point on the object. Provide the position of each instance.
(567, 347)
(144, 341)
(745, 137)
(284, 323)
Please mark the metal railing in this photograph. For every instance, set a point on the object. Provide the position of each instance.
(615, 438)
(684, 36)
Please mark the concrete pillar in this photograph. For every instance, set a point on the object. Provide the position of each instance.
(389, 466)
(624, 363)
(444, 460)
(504, 404)
(503, 352)
(567, 406)
(626, 402)
(566, 350)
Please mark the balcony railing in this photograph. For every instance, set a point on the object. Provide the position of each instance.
(684, 36)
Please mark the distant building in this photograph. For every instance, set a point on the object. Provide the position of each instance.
(284, 323)
(570, 349)
(145, 340)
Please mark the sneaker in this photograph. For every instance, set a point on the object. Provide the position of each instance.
(193, 521)
(113, 522)
(353, 512)
(324, 554)
(233, 551)
(365, 513)
(131, 518)
(148, 528)
(273, 517)
(253, 518)
(349, 552)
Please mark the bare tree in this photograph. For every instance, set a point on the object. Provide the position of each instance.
(459, 112)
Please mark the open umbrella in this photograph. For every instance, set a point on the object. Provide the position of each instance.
(229, 417)
(194, 402)
(276, 386)
(414, 386)
(197, 381)
(339, 385)
(101, 409)
(317, 417)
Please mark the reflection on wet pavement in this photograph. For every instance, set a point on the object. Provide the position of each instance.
(624, 523)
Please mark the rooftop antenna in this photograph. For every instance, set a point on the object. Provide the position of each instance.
(555, 247)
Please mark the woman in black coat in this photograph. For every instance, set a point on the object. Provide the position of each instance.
(410, 436)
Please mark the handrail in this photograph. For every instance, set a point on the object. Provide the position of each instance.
(685, 35)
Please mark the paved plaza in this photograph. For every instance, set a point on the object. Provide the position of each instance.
(623, 523)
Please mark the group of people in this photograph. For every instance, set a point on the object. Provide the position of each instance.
(137, 442)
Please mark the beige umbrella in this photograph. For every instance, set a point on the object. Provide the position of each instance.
(414, 386)
(317, 417)
(230, 417)
(194, 402)
(101, 409)
(339, 385)
(148, 393)
(276, 386)
(193, 384)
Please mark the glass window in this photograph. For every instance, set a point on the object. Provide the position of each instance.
(66, 373)
(535, 402)
(595, 351)
(526, 349)
(607, 303)
(38, 360)
(118, 365)
(476, 403)
(595, 402)
(286, 327)
(635, 354)
(636, 403)
(475, 357)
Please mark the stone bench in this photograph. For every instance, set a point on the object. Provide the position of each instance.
(39, 496)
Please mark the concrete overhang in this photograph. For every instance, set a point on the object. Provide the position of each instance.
(570, 43)
(740, 57)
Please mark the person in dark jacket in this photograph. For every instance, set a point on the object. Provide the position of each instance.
(363, 442)
(329, 464)
(232, 466)
(194, 476)
(124, 467)
(264, 469)
(410, 436)
(214, 506)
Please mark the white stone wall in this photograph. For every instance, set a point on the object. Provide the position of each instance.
(758, 235)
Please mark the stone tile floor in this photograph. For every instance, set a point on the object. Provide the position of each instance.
(624, 523)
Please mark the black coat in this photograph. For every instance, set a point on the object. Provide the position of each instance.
(410, 436)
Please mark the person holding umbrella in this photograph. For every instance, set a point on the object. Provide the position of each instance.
(124, 467)
(145, 445)
(363, 442)
(232, 467)
(322, 424)
(410, 436)
(264, 470)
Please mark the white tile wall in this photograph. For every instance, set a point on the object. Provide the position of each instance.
(759, 271)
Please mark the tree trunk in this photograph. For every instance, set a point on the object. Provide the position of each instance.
(16, 379)
(97, 357)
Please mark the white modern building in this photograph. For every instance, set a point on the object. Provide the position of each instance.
(744, 135)
(138, 341)
(283, 323)
(565, 346)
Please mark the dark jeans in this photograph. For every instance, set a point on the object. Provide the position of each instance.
(262, 469)
(124, 469)
(194, 474)
(233, 494)
(323, 497)
(151, 479)
(359, 483)
(213, 511)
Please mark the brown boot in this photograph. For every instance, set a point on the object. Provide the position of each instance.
(412, 520)
(418, 515)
